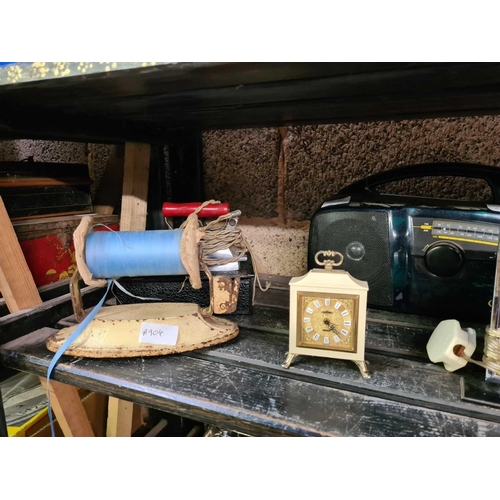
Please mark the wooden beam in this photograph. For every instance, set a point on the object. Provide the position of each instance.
(18, 182)
(20, 292)
(68, 408)
(133, 218)
(120, 418)
(16, 282)
(135, 187)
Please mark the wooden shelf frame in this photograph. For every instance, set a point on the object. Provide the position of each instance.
(159, 104)
(148, 104)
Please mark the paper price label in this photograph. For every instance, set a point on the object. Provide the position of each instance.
(153, 333)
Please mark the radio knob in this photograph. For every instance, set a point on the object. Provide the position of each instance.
(444, 259)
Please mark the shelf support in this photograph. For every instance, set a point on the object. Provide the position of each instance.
(133, 218)
(20, 292)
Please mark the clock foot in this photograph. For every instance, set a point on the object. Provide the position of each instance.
(289, 359)
(363, 368)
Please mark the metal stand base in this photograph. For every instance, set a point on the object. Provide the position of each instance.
(362, 365)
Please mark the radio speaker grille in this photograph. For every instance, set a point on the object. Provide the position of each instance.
(362, 237)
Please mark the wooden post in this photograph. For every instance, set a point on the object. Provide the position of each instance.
(120, 418)
(133, 218)
(68, 408)
(16, 282)
(135, 187)
(20, 292)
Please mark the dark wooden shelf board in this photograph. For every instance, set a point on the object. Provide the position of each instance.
(241, 386)
(149, 104)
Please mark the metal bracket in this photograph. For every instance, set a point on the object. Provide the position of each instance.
(76, 297)
(224, 296)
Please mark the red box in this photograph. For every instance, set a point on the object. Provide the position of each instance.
(47, 245)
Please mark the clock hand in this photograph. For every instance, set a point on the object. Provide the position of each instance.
(326, 321)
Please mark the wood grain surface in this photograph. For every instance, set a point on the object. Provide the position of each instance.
(241, 386)
(16, 282)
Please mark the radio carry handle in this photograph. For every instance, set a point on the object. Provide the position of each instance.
(489, 174)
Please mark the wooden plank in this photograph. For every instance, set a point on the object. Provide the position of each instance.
(15, 182)
(67, 406)
(133, 218)
(396, 340)
(20, 293)
(13, 326)
(249, 399)
(47, 292)
(16, 282)
(174, 78)
(120, 418)
(399, 80)
(401, 377)
(44, 226)
(95, 407)
(412, 381)
(278, 296)
(148, 104)
(135, 187)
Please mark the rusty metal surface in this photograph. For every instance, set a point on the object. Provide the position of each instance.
(225, 292)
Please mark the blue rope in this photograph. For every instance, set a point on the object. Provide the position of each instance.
(115, 254)
(81, 327)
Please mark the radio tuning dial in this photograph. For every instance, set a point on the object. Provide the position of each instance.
(444, 259)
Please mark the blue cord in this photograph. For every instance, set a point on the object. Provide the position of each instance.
(81, 327)
(115, 254)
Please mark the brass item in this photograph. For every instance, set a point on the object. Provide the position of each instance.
(328, 263)
(327, 320)
(328, 314)
(224, 294)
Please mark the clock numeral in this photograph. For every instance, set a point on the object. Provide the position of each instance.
(316, 337)
(337, 305)
(309, 329)
(336, 338)
(344, 332)
(326, 340)
(309, 310)
(327, 302)
(317, 304)
(307, 320)
(344, 313)
(347, 323)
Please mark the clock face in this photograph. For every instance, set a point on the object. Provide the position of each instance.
(327, 321)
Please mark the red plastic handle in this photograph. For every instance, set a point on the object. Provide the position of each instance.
(184, 209)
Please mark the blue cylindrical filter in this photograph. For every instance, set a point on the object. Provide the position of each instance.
(116, 254)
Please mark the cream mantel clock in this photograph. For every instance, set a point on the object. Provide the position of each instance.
(328, 314)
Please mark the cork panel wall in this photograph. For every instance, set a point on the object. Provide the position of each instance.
(277, 250)
(240, 168)
(43, 151)
(94, 155)
(320, 160)
(98, 156)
